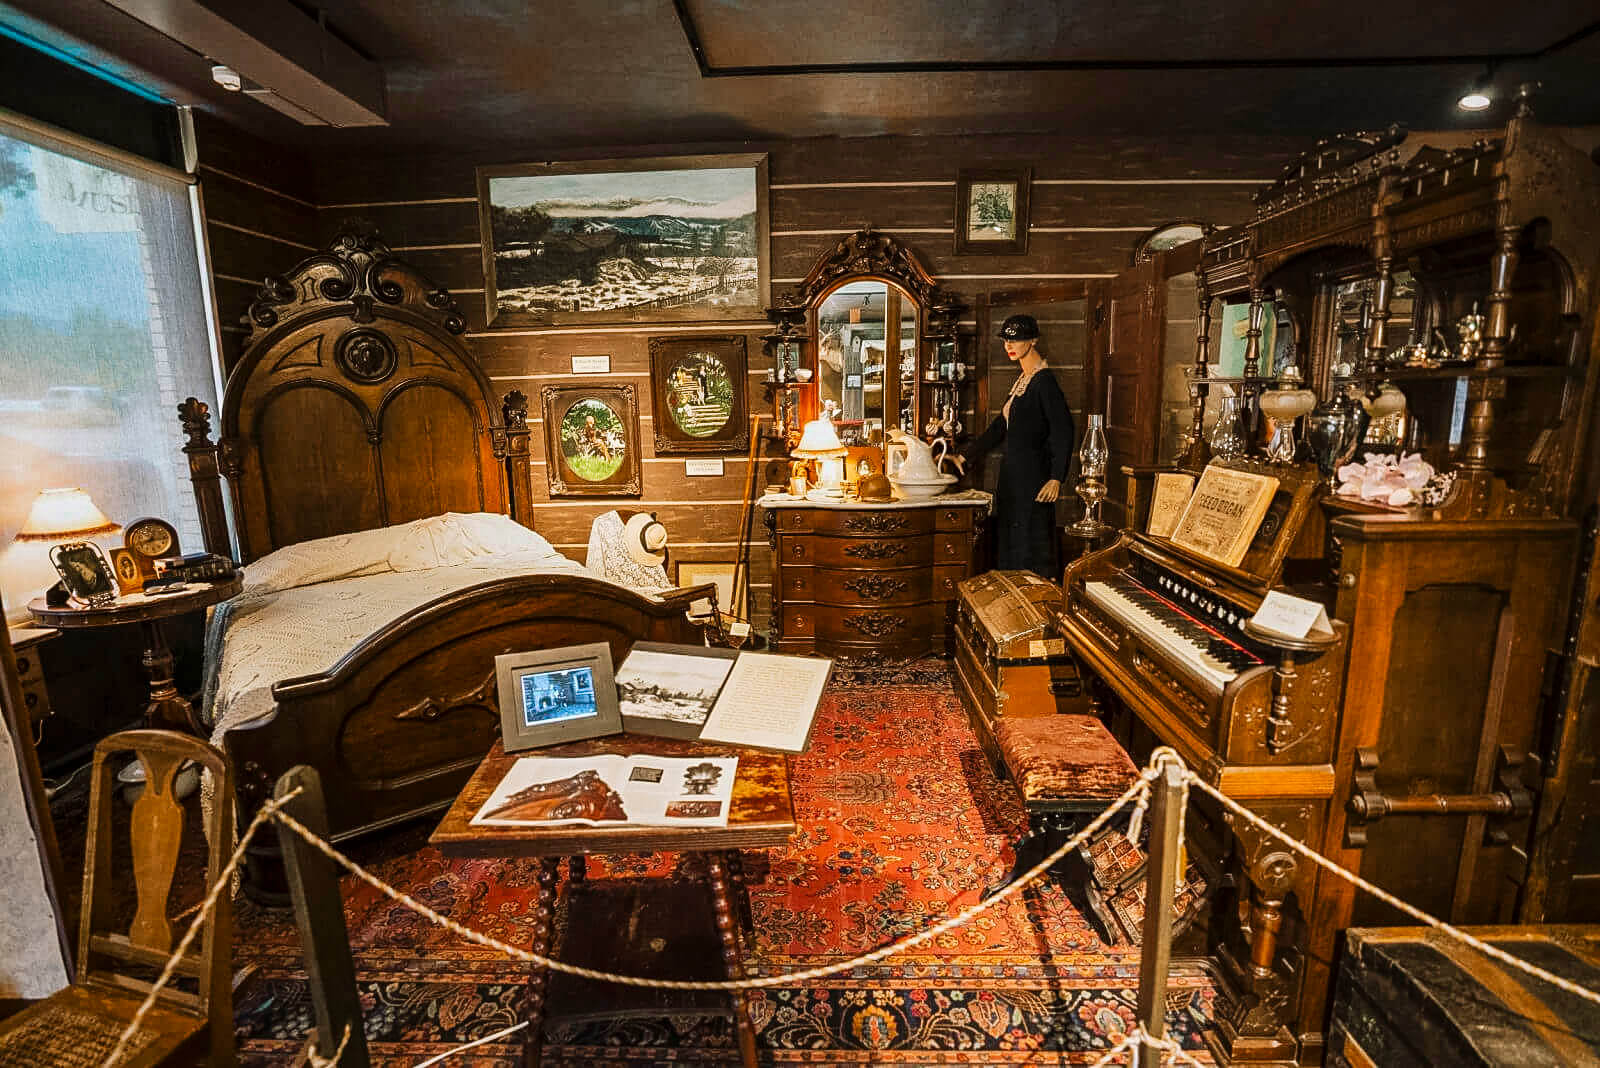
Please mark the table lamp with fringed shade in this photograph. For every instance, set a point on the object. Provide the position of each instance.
(56, 516)
(64, 515)
(820, 442)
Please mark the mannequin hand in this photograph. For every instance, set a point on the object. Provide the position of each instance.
(960, 463)
(1049, 491)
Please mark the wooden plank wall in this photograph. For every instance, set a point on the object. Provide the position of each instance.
(1092, 198)
(260, 218)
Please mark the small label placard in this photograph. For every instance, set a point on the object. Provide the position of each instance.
(1290, 616)
(591, 365)
(702, 467)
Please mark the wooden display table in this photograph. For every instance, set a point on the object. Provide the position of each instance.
(760, 816)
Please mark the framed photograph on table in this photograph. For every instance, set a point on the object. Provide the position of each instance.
(667, 238)
(548, 696)
(84, 572)
(591, 436)
(669, 690)
(992, 210)
(698, 389)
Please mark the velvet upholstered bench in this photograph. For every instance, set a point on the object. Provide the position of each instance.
(1067, 768)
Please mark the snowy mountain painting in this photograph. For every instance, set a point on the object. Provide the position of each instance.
(671, 244)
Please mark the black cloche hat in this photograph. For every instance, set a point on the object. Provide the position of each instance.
(1019, 328)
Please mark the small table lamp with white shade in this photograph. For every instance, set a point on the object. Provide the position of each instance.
(820, 443)
(56, 516)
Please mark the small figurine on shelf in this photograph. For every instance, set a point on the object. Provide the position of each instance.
(1469, 331)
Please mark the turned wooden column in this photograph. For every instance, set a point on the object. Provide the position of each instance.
(728, 928)
(1195, 456)
(544, 915)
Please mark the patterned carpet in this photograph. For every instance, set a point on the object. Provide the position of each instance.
(901, 824)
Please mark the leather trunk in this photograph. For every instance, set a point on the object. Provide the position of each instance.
(1010, 660)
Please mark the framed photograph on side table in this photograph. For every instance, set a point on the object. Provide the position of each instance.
(84, 572)
(698, 388)
(992, 210)
(591, 436)
(548, 696)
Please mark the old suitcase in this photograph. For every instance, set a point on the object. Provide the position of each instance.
(1009, 659)
(1415, 996)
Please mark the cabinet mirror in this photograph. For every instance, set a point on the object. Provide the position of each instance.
(867, 360)
(874, 323)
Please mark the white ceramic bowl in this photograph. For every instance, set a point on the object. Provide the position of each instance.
(914, 489)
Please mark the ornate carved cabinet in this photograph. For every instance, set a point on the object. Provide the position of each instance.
(866, 581)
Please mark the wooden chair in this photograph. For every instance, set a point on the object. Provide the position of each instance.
(80, 1025)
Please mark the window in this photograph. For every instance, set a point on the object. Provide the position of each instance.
(103, 331)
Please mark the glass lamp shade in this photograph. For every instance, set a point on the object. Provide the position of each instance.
(1094, 452)
(1388, 401)
(819, 441)
(63, 514)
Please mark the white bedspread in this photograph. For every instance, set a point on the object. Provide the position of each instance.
(305, 606)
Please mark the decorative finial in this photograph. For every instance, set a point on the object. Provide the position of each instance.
(514, 408)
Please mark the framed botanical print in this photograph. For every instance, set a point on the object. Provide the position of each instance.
(698, 392)
(629, 240)
(992, 210)
(591, 438)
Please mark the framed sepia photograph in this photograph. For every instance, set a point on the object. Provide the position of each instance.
(84, 572)
(698, 391)
(549, 696)
(591, 438)
(726, 575)
(610, 241)
(992, 210)
(668, 690)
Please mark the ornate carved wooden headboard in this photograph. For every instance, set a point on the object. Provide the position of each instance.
(355, 406)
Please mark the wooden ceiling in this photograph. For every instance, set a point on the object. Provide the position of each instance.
(477, 73)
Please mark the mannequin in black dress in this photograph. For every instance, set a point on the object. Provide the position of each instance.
(1036, 427)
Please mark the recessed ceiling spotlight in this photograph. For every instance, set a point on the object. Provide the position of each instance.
(227, 77)
(1474, 99)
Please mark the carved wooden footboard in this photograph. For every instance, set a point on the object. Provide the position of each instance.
(397, 725)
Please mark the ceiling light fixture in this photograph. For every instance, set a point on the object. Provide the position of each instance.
(227, 77)
(1480, 95)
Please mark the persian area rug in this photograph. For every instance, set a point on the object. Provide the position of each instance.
(902, 823)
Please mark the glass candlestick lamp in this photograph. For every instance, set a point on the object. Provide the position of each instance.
(1093, 455)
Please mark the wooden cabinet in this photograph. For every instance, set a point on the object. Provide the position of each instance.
(869, 581)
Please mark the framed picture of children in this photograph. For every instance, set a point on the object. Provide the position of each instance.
(592, 441)
(699, 388)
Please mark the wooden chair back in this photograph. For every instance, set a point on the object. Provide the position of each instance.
(156, 830)
(319, 915)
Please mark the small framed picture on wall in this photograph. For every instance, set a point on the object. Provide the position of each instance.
(992, 211)
(591, 436)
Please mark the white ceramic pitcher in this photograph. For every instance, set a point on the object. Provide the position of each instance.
(910, 459)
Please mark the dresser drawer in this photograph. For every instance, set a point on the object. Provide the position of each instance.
(885, 626)
(952, 548)
(866, 524)
(953, 518)
(837, 586)
(800, 621)
(868, 553)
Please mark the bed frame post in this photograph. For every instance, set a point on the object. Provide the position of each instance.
(518, 461)
(205, 473)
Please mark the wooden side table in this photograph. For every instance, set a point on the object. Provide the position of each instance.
(760, 816)
(167, 708)
(26, 640)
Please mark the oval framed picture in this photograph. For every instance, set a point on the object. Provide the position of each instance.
(698, 392)
(592, 441)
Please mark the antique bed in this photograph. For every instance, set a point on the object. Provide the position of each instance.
(357, 407)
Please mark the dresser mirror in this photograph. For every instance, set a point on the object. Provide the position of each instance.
(866, 335)
(874, 324)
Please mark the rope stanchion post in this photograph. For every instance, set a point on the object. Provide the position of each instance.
(1161, 874)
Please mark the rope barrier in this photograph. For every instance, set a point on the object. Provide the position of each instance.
(1138, 794)
(1140, 787)
(1394, 902)
(474, 1044)
(224, 879)
(315, 1060)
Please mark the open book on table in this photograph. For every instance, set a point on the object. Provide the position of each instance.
(611, 789)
